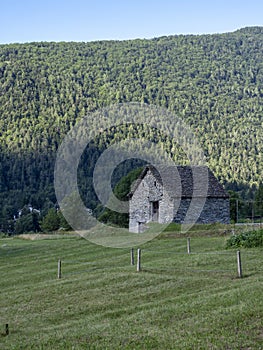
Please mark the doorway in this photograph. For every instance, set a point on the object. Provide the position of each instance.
(155, 211)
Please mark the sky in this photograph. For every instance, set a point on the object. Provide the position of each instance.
(85, 20)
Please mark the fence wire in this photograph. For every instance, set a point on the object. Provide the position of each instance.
(159, 261)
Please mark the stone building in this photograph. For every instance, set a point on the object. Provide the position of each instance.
(181, 194)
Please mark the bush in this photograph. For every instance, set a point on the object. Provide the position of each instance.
(250, 239)
(121, 191)
(51, 221)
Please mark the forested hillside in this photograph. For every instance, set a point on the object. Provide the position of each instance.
(213, 82)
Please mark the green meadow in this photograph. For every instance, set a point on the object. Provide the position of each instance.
(177, 300)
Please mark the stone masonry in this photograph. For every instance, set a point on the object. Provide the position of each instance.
(172, 196)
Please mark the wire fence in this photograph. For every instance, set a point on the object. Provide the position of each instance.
(108, 261)
(230, 262)
(193, 262)
(246, 211)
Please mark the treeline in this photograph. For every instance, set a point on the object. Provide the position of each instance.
(213, 82)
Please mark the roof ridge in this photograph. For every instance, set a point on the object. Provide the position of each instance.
(189, 186)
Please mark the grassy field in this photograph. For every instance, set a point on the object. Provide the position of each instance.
(177, 301)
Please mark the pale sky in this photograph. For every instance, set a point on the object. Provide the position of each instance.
(85, 20)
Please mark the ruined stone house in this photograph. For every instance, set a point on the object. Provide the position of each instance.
(181, 194)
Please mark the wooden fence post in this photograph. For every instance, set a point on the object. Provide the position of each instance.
(188, 245)
(132, 256)
(139, 260)
(239, 266)
(59, 269)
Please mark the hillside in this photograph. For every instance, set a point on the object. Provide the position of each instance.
(214, 82)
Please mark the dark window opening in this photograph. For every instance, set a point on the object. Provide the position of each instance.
(155, 211)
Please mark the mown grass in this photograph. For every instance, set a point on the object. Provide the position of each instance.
(177, 301)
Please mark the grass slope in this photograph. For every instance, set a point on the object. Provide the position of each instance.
(178, 301)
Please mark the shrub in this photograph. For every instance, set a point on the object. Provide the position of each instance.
(51, 221)
(250, 239)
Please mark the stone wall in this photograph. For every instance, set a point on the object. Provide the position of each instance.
(212, 211)
(149, 190)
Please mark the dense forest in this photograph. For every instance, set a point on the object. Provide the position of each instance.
(213, 82)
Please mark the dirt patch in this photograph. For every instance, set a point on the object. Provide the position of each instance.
(41, 236)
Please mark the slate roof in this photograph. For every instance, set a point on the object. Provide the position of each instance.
(195, 180)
